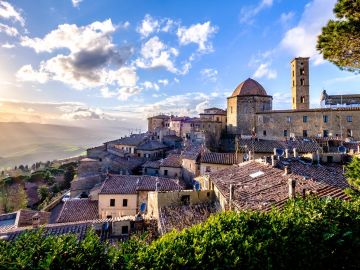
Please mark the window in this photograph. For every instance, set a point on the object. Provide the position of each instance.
(208, 194)
(293, 74)
(264, 132)
(125, 202)
(293, 83)
(289, 119)
(325, 118)
(349, 118)
(165, 172)
(124, 230)
(112, 202)
(305, 118)
(217, 119)
(231, 110)
(302, 99)
(305, 134)
(325, 133)
(185, 199)
(349, 133)
(207, 169)
(302, 71)
(109, 216)
(285, 133)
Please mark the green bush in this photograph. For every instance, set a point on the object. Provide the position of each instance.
(306, 234)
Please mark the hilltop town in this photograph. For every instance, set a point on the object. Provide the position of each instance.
(184, 169)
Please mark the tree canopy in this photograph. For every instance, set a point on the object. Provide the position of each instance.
(339, 41)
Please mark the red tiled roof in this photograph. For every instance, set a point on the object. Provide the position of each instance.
(173, 160)
(269, 187)
(249, 87)
(152, 164)
(219, 158)
(78, 210)
(131, 184)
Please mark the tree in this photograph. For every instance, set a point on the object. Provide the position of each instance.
(353, 176)
(43, 192)
(339, 41)
(49, 178)
(69, 176)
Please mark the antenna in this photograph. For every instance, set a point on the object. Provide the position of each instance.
(279, 152)
(197, 186)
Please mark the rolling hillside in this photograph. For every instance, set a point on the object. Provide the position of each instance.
(25, 143)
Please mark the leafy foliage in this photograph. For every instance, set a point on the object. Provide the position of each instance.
(339, 41)
(306, 234)
(353, 176)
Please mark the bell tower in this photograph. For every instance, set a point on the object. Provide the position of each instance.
(300, 83)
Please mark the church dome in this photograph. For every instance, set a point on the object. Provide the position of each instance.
(249, 87)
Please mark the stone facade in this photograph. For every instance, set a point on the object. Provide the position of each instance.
(326, 122)
(118, 210)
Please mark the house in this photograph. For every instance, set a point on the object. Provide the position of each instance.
(122, 195)
(171, 166)
(151, 168)
(75, 210)
(211, 162)
(190, 162)
(151, 150)
(258, 185)
(128, 144)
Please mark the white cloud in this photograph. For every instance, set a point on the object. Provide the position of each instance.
(7, 46)
(301, 39)
(248, 13)
(209, 74)
(76, 3)
(126, 92)
(91, 62)
(155, 54)
(27, 73)
(201, 106)
(264, 70)
(198, 34)
(164, 82)
(10, 31)
(148, 26)
(106, 93)
(151, 85)
(7, 11)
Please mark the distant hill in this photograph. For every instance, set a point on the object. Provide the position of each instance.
(26, 143)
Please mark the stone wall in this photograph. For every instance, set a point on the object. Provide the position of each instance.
(276, 122)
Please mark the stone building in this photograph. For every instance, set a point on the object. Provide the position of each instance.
(249, 111)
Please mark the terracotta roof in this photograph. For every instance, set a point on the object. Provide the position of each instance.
(260, 186)
(151, 145)
(249, 87)
(21, 218)
(267, 146)
(152, 164)
(131, 184)
(173, 160)
(132, 140)
(216, 111)
(184, 216)
(125, 163)
(78, 210)
(219, 158)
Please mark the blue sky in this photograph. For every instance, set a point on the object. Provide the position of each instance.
(111, 63)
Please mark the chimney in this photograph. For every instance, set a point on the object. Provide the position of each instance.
(287, 153)
(275, 152)
(287, 170)
(35, 220)
(295, 153)
(231, 196)
(358, 148)
(273, 163)
(250, 155)
(161, 136)
(292, 184)
(318, 156)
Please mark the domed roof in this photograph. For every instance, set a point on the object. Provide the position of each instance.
(249, 87)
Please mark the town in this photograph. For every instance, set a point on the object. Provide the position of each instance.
(185, 169)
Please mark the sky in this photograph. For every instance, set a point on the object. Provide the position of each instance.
(114, 63)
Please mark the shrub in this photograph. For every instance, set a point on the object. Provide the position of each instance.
(306, 234)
